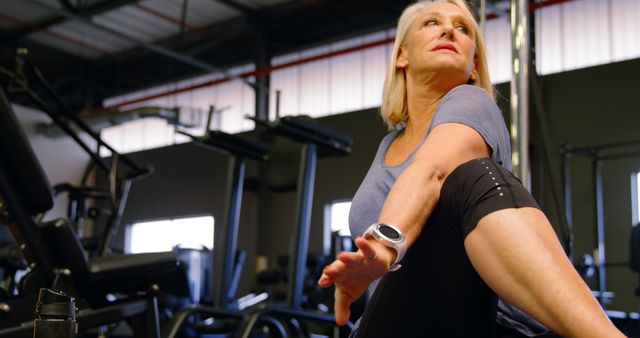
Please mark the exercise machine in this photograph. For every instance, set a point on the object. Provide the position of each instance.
(56, 258)
(315, 140)
(119, 180)
(226, 309)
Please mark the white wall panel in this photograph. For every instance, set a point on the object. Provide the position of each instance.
(498, 44)
(286, 80)
(346, 78)
(585, 29)
(314, 84)
(549, 39)
(240, 100)
(625, 29)
(157, 133)
(374, 64)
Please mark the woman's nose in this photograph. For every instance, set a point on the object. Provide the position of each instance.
(447, 30)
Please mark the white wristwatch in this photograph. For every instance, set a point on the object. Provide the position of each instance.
(390, 236)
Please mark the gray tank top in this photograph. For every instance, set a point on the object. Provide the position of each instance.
(468, 105)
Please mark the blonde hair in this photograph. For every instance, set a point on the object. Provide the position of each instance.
(394, 94)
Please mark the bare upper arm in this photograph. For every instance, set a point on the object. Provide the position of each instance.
(449, 145)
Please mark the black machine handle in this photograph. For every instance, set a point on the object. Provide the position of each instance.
(304, 129)
(232, 144)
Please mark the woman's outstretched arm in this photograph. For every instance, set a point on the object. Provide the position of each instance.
(408, 206)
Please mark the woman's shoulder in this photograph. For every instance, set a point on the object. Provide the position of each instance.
(468, 98)
(469, 92)
(389, 137)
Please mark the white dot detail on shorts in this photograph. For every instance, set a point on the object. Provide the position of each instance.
(487, 167)
(496, 183)
(501, 194)
(499, 188)
(490, 173)
(493, 178)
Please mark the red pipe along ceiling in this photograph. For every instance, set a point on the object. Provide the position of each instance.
(205, 33)
(268, 70)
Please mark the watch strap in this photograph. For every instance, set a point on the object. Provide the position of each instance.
(399, 244)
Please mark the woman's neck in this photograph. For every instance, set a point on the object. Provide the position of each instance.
(422, 100)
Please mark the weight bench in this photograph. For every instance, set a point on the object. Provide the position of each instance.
(57, 260)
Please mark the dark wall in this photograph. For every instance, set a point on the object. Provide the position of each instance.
(190, 180)
(584, 107)
(337, 178)
(598, 106)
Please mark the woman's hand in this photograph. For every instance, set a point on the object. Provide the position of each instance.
(352, 272)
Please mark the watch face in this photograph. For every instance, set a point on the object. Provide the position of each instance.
(388, 231)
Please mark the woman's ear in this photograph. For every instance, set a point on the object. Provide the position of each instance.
(402, 61)
(474, 75)
(474, 72)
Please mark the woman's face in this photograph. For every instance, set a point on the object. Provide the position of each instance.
(440, 42)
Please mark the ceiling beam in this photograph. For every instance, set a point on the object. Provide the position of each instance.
(246, 10)
(229, 47)
(87, 12)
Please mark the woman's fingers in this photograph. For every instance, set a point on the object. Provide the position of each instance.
(330, 273)
(351, 259)
(341, 307)
(325, 281)
(352, 272)
(336, 268)
(367, 250)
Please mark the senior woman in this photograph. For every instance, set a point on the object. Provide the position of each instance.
(443, 228)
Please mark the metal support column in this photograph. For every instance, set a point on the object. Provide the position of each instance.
(520, 90)
(119, 201)
(599, 253)
(225, 241)
(301, 225)
(568, 210)
(482, 15)
(263, 81)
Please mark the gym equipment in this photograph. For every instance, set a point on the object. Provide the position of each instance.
(227, 263)
(11, 261)
(597, 155)
(314, 139)
(226, 270)
(119, 183)
(56, 258)
(55, 315)
(634, 252)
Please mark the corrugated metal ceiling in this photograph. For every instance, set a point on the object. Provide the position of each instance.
(148, 21)
(93, 49)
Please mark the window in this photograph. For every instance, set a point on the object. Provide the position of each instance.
(163, 235)
(336, 219)
(339, 217)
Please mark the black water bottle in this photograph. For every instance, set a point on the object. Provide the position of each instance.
(55, 315)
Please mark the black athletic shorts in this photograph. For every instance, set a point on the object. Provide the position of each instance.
(480, 187)
(437, 292)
